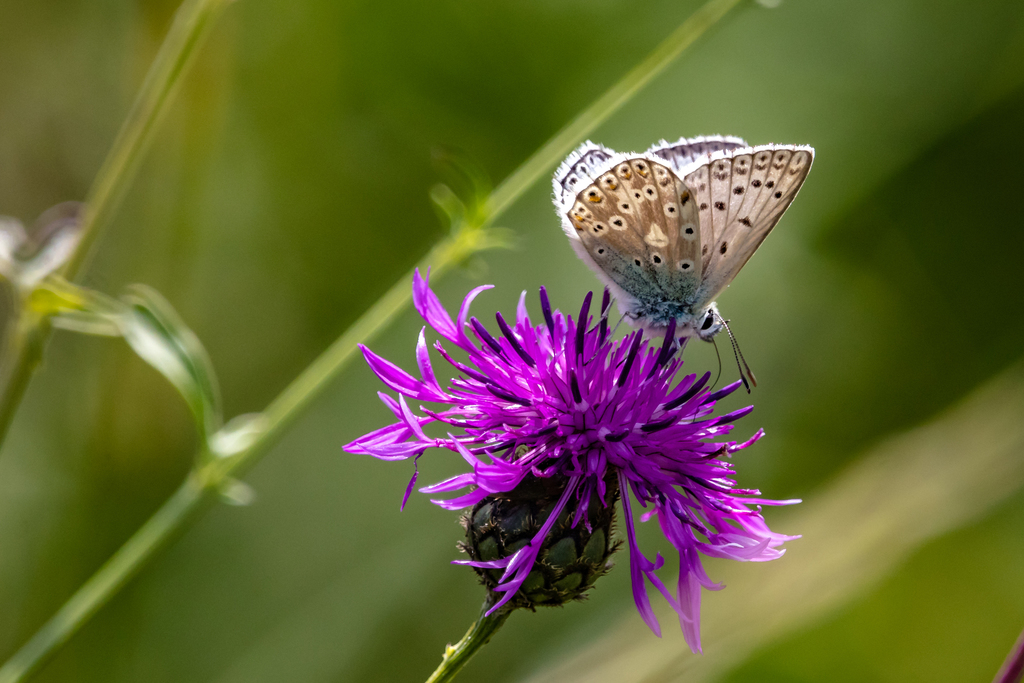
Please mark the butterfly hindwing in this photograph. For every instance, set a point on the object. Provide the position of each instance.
(749, 190)
(685, 151)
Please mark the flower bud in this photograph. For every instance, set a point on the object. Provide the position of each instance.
(571, 558)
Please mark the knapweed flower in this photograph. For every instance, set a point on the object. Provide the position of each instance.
(562, 408)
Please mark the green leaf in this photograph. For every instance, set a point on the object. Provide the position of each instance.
(158, 335)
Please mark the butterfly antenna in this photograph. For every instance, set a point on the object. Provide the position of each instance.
(602, 322)
(741, 362)
(719, 356)
(616, 328)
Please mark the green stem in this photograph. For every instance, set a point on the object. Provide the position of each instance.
(304, 389)
(161, 528)
(458, 655)
(21, 356)
(192, 22)
(544, 160)
(171, 518)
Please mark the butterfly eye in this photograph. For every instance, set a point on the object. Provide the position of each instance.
(708, 322)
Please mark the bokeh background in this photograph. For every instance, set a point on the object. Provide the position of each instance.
(287, 189)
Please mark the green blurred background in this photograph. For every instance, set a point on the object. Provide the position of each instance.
(287, 189)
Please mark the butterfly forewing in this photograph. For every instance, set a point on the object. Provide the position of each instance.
(721, 183)
(579, 170)
(639, 225)
(750, 189)
(698, 184)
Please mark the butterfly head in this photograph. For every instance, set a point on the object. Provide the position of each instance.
(708, 325)
(654, 318)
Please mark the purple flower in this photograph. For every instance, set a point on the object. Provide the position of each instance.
(563, 400)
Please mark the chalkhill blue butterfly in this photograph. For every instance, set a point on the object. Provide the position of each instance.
(667, 230)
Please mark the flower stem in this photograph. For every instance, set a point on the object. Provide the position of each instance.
(205, 482)
(1012, 670)
(479, 634)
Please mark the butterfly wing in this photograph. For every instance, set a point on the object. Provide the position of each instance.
(741, 195)
(577, 171)
(685, 151)
(638, 227)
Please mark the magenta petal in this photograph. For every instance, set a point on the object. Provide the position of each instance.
(398, 379)
(412, 421)
(412, 484)
(462, 502)
(463, 340)
(459, 481)
(636, 564)
(491, 564)
(522, 317)
(426, 371)
(430, 309)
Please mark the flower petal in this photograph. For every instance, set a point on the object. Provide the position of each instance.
(430, 308)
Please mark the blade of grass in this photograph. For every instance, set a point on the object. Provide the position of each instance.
(201, 488)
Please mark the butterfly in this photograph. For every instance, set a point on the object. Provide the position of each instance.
(667, 230)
